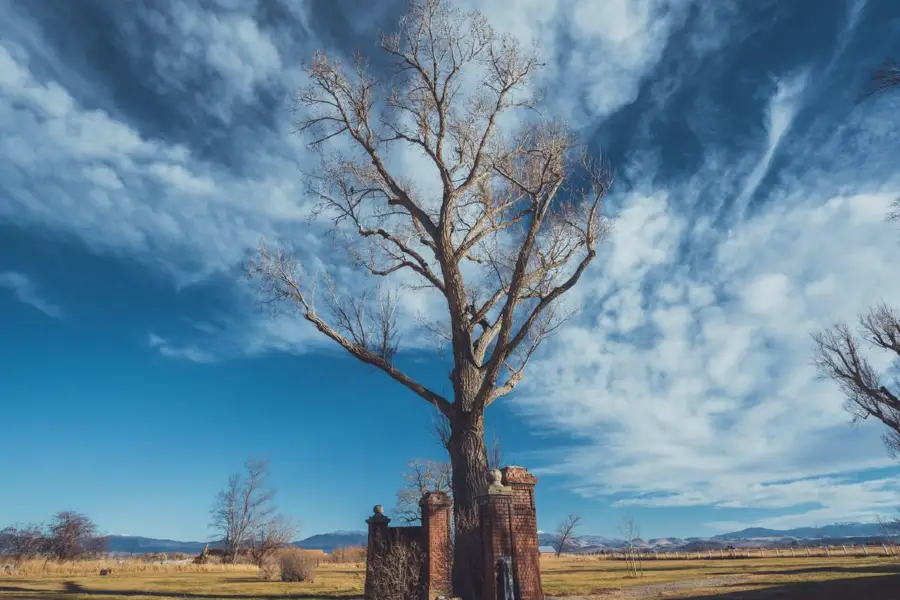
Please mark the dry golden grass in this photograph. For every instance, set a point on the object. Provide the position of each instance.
(82, 568)
(817, 577)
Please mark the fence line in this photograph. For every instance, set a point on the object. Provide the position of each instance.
(828, 551)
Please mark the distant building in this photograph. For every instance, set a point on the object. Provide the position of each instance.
(547, 550)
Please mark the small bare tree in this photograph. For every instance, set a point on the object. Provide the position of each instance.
(565, 532)
(270, 537)
(23, 543)
(839, 356)
(72, 535)
(509, 226)
(422, 476)
(630, 534)
(244, 509)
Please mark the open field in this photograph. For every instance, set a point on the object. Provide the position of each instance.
(820, 578)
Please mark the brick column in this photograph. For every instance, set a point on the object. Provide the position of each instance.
(495, 510)
(526, 556)
(378, 544)
(436, 533)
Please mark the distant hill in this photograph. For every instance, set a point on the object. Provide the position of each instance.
(746, 538)
(335, 539)
(836, 530)
(129, 544)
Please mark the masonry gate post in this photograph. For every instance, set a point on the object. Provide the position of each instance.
(377, 546)
(495, 510)
(525, 550)
(438, 554)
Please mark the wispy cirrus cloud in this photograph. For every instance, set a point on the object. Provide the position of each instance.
(749, 206)
(28, 292)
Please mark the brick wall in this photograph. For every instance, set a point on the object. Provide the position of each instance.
(432, 538)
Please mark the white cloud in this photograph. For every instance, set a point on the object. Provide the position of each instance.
(190, 353)
(26, 291)
(687, 377)
(713, 401)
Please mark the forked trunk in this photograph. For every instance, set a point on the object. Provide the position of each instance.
(468, 457)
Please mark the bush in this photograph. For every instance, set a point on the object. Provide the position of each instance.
(297, 565)
(398, 574)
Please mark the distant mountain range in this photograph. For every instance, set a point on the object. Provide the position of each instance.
(747, 538)
(751, 537)
(128, 544)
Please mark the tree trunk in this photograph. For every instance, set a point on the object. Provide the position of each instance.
(468, 458)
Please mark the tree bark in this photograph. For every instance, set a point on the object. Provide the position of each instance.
(468, 457)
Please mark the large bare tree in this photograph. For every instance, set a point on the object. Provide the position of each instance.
(509, 225)
(245, 509)
(840, 351)
(840, 356)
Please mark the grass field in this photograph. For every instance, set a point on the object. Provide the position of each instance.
(820, 578)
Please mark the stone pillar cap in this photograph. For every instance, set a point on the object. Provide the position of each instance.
(435, 497)
(518, 475)
(496, 486)
(378, 517)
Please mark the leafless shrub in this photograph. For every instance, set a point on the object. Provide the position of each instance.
(270, 537)
(399, 573)
(297, 565)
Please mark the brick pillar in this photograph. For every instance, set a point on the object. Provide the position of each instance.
(378, 544)
(436, 533)
(526, 556)
(495, 510)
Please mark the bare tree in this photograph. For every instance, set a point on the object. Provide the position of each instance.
(565, 532)
(839, 356)
(244, 509)
(22, 543)
(630, 534)
(521, 207)
(422, 476)
(270, 537)
(72, 535)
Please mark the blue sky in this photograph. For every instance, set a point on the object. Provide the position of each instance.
(147, 147)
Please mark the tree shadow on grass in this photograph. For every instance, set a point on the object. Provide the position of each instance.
(72, 588)
(873, 569)
(879, 587)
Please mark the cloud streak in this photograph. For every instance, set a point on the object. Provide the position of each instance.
(27, 292)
